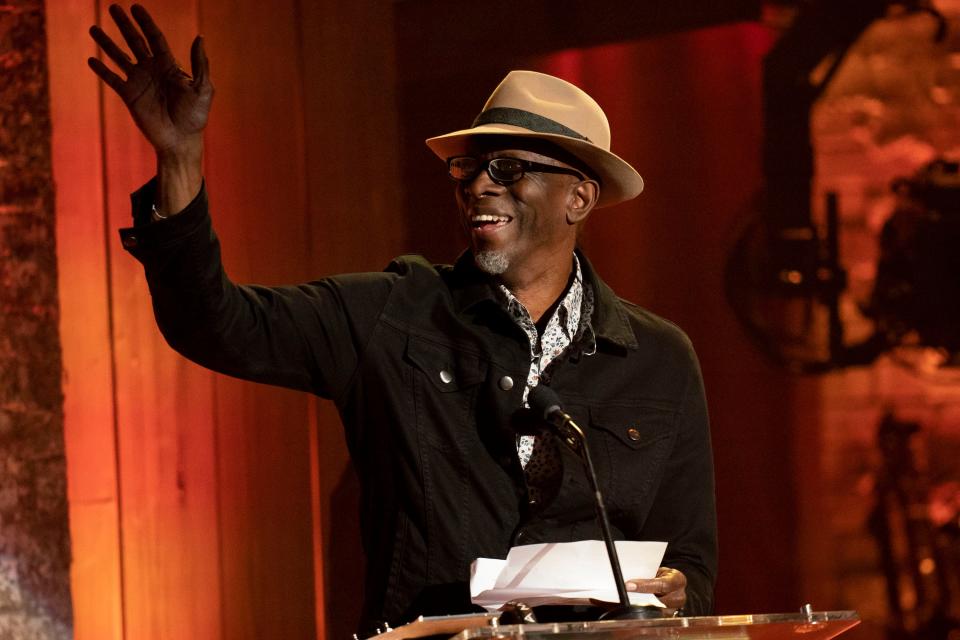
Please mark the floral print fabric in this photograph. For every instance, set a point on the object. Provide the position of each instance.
(539, 456)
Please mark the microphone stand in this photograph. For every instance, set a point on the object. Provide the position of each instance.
(573, 436)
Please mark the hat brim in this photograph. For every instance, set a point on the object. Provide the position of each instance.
(619, 181)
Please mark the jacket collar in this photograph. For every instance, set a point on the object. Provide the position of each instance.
(471, 287)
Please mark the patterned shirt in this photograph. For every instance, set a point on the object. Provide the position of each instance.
(538, 455)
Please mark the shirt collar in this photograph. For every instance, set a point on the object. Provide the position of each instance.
(566, 314)
(610, 321)
(471, 287)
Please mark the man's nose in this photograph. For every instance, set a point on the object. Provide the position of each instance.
(482, 185)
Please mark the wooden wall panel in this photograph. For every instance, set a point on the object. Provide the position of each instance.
(190, 492)
(85, 327)
(255, 172)
(354, 203)
(167, 457)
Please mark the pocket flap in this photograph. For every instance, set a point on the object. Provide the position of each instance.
(448, 369)
(636, 427)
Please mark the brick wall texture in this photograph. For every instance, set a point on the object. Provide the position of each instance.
(893, 107)
(34, 532)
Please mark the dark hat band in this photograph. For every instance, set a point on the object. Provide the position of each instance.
(527, 120)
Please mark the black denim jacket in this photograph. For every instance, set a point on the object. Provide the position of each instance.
(419, 360)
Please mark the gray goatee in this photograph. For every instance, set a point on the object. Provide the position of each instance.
(492, 262)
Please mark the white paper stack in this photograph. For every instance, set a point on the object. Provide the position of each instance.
(563, 573)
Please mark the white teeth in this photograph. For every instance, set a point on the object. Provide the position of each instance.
(489, 218)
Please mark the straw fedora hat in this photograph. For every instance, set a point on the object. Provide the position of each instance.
(528, 104)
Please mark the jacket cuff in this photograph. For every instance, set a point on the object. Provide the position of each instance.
(146, 233)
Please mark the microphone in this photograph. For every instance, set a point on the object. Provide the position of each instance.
(545, 402)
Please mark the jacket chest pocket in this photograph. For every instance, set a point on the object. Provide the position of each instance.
(444, 382)
(637, 441)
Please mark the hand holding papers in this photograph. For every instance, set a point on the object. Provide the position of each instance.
(563, 573)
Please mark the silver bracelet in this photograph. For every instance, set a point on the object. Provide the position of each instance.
(155, 213)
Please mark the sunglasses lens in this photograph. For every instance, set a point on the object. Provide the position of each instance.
(463, 168)
(502, 170)
(506, 170)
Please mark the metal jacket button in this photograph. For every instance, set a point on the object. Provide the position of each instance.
(446, 376)
(129, 242)
(634, 434)
(506, 383)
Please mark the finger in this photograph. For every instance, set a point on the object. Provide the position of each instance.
(113, 80)
(109, 47)
(650, 585)
(130, 33)
(674, 599)
(200, 65)
(667, 580)
(155, 38)
(675, 578)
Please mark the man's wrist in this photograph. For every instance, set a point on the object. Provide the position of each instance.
(147, 210)
(179, 178)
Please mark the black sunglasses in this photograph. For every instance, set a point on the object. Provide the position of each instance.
(503, 171)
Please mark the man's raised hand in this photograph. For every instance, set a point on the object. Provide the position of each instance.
(169, 106)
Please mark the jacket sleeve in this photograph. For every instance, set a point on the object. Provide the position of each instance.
(306, 337)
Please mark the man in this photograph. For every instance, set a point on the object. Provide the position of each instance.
(431, 366)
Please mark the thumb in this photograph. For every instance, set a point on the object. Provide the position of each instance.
(200, 66)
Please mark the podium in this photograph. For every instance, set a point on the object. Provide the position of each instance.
(810, 625)
(806, 625)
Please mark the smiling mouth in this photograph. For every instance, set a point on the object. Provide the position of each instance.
(487, 221)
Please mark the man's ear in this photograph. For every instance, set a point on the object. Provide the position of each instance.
(583, 199)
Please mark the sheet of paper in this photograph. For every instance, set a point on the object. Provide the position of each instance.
(563, 573)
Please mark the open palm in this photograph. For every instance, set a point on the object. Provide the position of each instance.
(169, 106)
